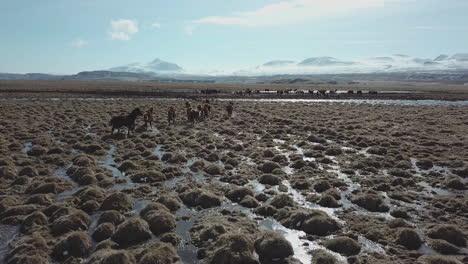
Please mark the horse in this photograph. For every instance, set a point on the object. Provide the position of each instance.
(322, 92)
(148, 117)
(229, 109)
(205, 111)
(171, 115)
(192, 115)
(127, 121)
(188, 110)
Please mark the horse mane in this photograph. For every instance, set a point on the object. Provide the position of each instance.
(135, 112)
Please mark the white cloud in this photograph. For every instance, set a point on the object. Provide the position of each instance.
(78, 43)
(123, 29)
(156, 25)
(292, 12)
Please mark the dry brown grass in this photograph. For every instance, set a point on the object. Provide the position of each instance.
(175, 89)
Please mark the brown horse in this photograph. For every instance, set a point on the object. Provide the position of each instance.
(188, 110)
(206, 109)
(127, 121)
(171, 115)
(193, 115)
(229, 109)
(148, 117)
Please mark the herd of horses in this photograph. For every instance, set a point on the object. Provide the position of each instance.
(202, 111)
(323, 93)
(194, 114)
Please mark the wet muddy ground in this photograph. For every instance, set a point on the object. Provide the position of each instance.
(276, 183)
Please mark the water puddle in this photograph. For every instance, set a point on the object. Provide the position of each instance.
(110, 164)
(249, 161)
(370, 246)
(426, 250)
(301, 246)
(358, 101)
(300, 199)
(276, 100)
(55, 139)
(139, 205)
(437, 169)
(279, 141)
(154, 129)
(88, 131)
(300, 151)
(434, 190)
(62, 173)
(256, 186)
(65, 195)
(186, 251)
(7, 234)
(158, 152)
(27, 147)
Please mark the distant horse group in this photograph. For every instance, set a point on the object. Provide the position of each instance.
(201, 112)
(317, 93)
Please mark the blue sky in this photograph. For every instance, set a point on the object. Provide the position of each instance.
(68, 36)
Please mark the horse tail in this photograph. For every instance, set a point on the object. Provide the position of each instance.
(111, 122)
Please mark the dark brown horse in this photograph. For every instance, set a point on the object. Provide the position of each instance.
(127, 121)
(229, 109)
(171, 115)
(193, 115)
(148, 117)
(205, 112)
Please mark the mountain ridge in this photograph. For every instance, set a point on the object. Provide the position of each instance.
(157, 69)
(156, 65)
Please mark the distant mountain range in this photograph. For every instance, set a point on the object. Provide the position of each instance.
(442, 68)
(388, 64)
(323, 61)
(156, 65)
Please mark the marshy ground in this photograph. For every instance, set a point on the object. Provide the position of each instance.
(276, 183)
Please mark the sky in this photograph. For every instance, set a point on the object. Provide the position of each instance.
(69, 36)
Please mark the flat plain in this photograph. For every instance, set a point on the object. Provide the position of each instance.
(278, 182)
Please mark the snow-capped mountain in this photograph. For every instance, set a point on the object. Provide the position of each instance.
(387, 64)
(314, 65)
(323, 61)
(155, 66)
(460, 57)
(277, 63)
(441, 57)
